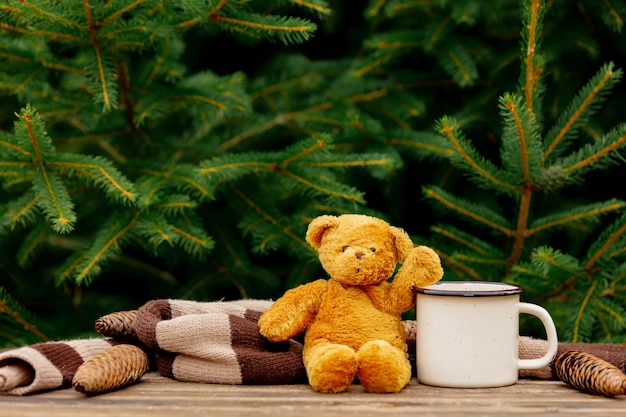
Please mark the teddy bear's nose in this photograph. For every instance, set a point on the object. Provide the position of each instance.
(358, 255)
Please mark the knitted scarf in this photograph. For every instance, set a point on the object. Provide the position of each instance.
(210, 342)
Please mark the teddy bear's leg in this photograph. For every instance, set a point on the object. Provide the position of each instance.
(382, 367)
(330, 367)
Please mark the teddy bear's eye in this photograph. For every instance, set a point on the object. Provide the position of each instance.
(373, 249)
(344, 248)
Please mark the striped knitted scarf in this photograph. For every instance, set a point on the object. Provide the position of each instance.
(210, 342)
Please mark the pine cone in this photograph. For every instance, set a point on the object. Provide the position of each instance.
(118, 325)
(111, 369)
(590, 374)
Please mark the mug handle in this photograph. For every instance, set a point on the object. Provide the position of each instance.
(553, 341)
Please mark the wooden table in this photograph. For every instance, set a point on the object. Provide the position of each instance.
(155, 396)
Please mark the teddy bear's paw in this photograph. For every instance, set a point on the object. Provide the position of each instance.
(421, 267)
(331, 368)
(383, 368)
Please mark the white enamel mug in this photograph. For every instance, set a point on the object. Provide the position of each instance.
(467, 334)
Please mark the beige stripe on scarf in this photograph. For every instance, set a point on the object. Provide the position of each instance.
(204, 347)
(46, 377)
(183, 307)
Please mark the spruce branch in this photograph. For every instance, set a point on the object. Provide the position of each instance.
(394, 39)
(285, 29)
(32, 244)
(181, 177)
(21, 210)
(459, 64)
(54, 14)
(464, 269)
(532, 67)
(436, 30)
(585, 104)
(266, 228)
(521, 142)
(469, 210)
(105, 69)
(375, 62)
(519, 236)
(166, 63)
(419, 144)
(52, 196)
(98, 171)
(228, 168)
(16, 178)
(613, 13)
(193, 239)
(172, 205)
(54, 200)
(103, 79)
(17, 313)
(548, 273)
(307, 148)
(584, 319)
(466, 12)
(316, 186)
(467, 158)
(154, 229)
(22, 57)
(577, 215)
(201, 93)
(317, 6)
(611, 238)
(266, 123)
(160, 225)
(610, 314)
(15, 172)
(467, 241)
(374, 9)
(31, 136)
(204, 15)
(287, 81)
(617, 285)
(9, 149)
(85, 266)
(606, 151)
(294, 164)
(119, 12)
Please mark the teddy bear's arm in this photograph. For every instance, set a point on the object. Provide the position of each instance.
(292, 313)
(421, 267)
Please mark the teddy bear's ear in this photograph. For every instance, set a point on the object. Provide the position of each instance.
(317, 227)
(404, 244)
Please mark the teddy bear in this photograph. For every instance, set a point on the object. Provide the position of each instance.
(352, 321)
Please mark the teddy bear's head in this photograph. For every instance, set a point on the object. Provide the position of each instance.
(357, 249)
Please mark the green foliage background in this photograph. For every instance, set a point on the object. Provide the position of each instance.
(161, 149)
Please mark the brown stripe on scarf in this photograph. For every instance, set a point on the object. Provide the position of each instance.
(165, 363)
(63, 357)
(260, 361)
(148, 316)
(252, 315)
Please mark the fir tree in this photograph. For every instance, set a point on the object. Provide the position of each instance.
(179, 149)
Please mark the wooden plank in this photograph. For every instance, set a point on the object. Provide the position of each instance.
(156, 396)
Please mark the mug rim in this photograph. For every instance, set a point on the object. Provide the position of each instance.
(513, 289)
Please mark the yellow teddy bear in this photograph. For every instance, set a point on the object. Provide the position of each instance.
(353, 320)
